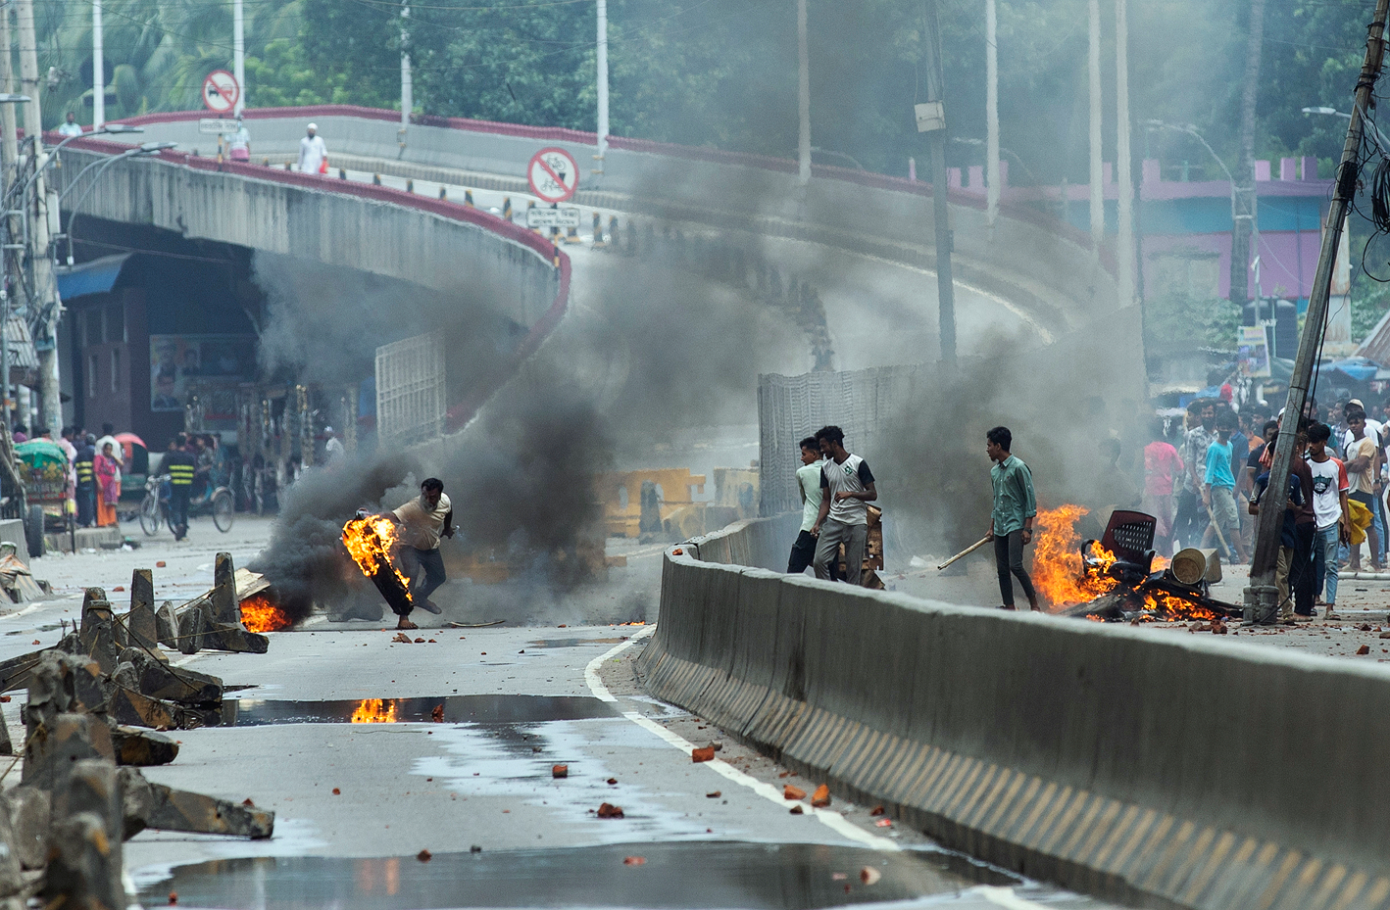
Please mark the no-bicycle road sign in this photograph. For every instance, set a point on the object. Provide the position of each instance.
(553, 174)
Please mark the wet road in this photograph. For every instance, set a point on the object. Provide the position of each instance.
(455, 756)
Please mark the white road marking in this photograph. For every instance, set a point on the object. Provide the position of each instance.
(1005, 897)
(832, 820)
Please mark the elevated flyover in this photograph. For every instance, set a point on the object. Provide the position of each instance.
(1035, 261)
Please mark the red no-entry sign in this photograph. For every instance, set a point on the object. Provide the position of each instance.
(221, 91)
(553, 174)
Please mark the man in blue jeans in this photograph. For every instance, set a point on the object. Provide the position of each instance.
(1330, 505)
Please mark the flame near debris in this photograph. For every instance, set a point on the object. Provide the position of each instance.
(260, 614)
(1058, 569)
(1065, 579)
(376, 711)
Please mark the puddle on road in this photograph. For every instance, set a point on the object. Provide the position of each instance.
(674, 875)
(458, 709)
(573, 642)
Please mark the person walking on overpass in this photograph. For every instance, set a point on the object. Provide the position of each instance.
(180, 464)
(1011, 522)
(313, 154)
(847, 488)
(423, 521)
(70, 126)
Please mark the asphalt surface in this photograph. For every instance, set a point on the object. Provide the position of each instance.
(356, 803)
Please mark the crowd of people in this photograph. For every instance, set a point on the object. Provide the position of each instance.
(1203, 482)
(95, 467)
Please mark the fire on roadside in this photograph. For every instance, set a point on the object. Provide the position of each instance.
(375, 711)
(371, 541)
(1064, 578)
(260, 614)
(1058, 569)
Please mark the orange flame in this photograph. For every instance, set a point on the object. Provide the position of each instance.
(375, 711)
(371, 541)
(1059, 573)
(1063, 578)
(1172, 606)
(260, 614)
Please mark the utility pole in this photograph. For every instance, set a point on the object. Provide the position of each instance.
(9, 168)
(1261, 597)
(238, 53)
(1097, 146)
(46, 305)
(1125, 163)
(602, 55)
(407, 88)
(993, 175)
(1243, 208)
(931, 117)
(803, 87)
(99, 68)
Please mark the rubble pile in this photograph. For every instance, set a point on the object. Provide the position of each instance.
(97, 703)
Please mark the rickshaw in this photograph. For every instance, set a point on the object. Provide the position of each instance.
(45, 467)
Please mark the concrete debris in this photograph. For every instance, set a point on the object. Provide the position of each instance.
(61, 829)
(99, 635)
(166, 624)
(151, 805)
(129, 706)
(223, 597)
(142, 748)
(140, 623)
(213, 621)
(82, 866)
(159, 680)
(30, 810)
(56, 743)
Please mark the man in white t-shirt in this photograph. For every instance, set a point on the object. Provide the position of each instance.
(70, 126)
(312, 151)
(808, 485)
(423, 521)
(1330, 506)
(847, 487)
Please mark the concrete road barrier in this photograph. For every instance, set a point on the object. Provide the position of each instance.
(1170, 770)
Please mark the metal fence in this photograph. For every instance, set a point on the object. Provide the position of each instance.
(410, 389)
(863, 403)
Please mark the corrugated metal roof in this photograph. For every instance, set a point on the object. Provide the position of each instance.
(21, 345)
(1377, 344)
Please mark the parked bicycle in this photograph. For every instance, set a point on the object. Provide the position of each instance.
(154, 510)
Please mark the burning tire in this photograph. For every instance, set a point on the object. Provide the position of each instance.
(371, 541)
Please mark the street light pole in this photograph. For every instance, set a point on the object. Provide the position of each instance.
(602, 56)
(99, 68)
(1125, 162)
(1097, 147)
(993, 172)
(803, 92)
(407, 87)
(238, 55)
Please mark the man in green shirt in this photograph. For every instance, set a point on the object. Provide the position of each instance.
(1011, 522)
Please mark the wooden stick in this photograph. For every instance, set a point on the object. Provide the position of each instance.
(966, 552)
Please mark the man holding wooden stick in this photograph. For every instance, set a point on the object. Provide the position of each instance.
(1011, 522)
